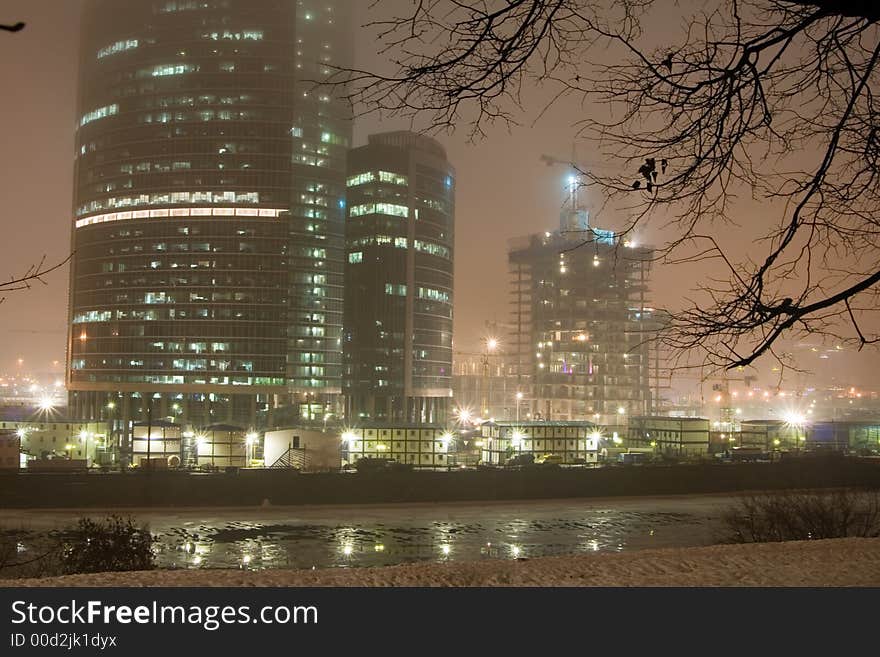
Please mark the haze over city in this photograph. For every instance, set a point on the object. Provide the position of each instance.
(504, 189)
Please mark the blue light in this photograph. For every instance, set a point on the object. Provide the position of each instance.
(449, 181)
(604, 236)
(342, 203)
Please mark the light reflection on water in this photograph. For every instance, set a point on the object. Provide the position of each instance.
(408, 536)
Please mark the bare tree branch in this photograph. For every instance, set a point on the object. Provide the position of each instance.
(773, 99)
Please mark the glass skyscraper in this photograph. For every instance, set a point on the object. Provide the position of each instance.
(398, 301)
(206, 284)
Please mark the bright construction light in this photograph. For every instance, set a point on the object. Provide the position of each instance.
(111, 405)
(596, 435)
(514, 549)
(251, 438)
(46, 403)
(621, 410)
(83, 434)
(794, 418)
(21, 433)
(519, 395)
(348, 437)
(445, 549)
(492, 344)
(347, 550)
(516, 438)
(446, 438)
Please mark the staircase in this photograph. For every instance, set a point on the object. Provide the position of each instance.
(294, 457)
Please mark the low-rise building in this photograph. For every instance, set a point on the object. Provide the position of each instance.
(160, 441)
(673, 436)
(61, 439)
(222, 446)
(771, 435)
(306, 449)
(861, 436)
(564, 441)
(419, 446)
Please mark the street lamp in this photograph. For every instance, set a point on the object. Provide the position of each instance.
(251, 441)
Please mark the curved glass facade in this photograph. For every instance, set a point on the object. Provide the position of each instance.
(206, 284)
(399, 284)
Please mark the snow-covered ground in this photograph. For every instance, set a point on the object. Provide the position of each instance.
(837, 562)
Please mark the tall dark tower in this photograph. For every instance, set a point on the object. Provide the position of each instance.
(206, 285)
(398, 297)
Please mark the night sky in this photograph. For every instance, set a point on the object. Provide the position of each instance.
(503, 190)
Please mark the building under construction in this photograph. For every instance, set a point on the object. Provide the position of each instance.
(581, 322)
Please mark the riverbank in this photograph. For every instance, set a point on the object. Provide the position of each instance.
(835, 562)
(285, 487)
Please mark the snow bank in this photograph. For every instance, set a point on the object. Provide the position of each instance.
(837, 562)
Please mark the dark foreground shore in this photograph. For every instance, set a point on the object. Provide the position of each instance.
(283, 487)
(834, 562)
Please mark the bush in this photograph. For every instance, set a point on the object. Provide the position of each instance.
(803, 515)
(109, 545)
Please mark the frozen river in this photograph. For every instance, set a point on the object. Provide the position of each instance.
(374, 535)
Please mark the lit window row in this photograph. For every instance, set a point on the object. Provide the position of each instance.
(433, 249)
(181, 5)
(391, 209)
(356, 257)
(370, 176)
(401, 242)
(165, 198)
(179, 212)
(433, 295)
(93, 316)
(202, 115)
(395, 289)
(119, 46)
(163, 70)
(100, 113)
(226, 35)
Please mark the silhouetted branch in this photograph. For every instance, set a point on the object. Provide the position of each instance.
(775, 98)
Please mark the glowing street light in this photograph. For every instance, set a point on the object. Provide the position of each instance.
(516, 439)
(251, 441)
